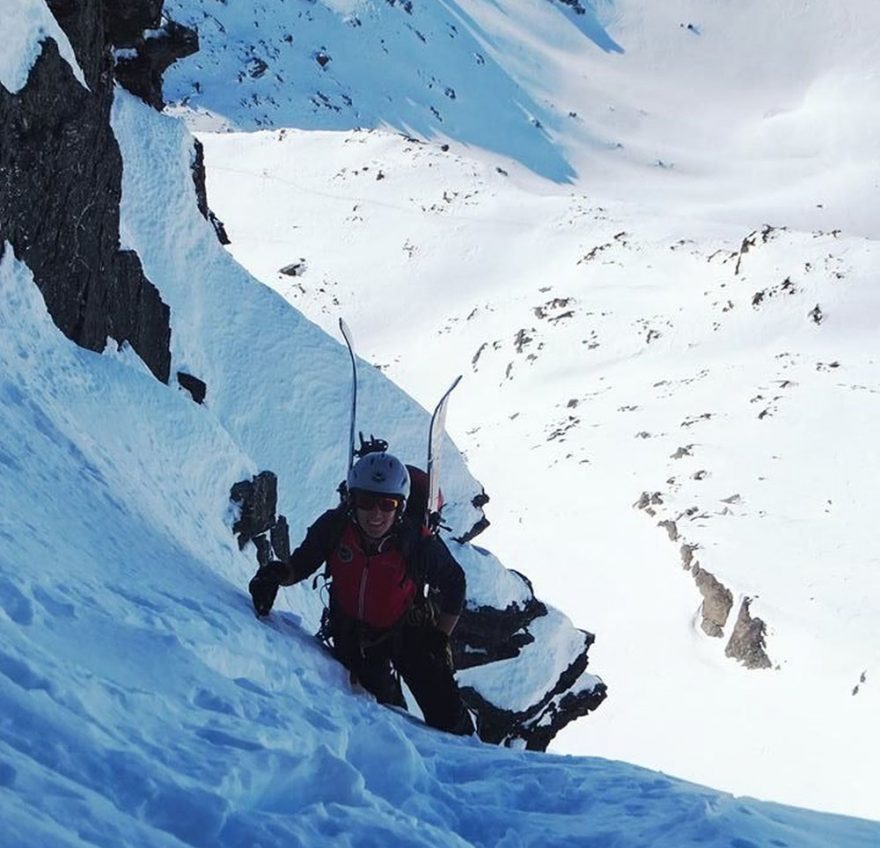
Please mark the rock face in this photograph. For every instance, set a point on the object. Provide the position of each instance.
(60, 186)
(141, 61)
(484, 635)
(717, 602)
(747, 642)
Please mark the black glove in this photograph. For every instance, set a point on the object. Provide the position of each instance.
(264, 585)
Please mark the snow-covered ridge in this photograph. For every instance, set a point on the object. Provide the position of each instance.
(427, 69)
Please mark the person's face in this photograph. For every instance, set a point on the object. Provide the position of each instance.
(375, 513)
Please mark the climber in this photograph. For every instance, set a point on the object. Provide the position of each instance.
(380, 623)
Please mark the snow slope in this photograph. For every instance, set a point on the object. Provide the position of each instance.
(685, 308)
(143, 704)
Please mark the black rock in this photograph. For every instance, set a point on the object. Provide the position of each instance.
(141, 72)
(198, 175)
(193, 385)
(257, 498)
(60, 186)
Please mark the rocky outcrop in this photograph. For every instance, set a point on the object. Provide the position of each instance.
(535, 727)
(142, 59)
(717, 601)
(748, 640)
(256, 500)
(61, 179)
(199, 179)
(484, 635)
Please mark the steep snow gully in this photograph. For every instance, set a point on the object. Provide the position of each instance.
(141, 702)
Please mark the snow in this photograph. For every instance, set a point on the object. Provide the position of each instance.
(142, 702)
(486, 585)
(26, 24)
(144, 705)
(606, 316)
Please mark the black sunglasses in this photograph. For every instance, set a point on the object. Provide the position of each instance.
(370, 500)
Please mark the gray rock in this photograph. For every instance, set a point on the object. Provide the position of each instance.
(748, 641)
(717, 601)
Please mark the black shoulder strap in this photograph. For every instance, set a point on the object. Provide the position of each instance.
(341, 518)
(338, 521)
(413, 546)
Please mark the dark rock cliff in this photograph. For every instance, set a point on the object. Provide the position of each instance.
(485, 635)
(61, 178)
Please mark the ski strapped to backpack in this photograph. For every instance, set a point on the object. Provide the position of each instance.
(346, 334)
(430, 504)
(436, 435)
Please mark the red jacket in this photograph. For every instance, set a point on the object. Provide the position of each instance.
(377, 587)
(370, 587)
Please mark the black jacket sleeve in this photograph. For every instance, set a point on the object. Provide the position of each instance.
(317, 546)
(443, 573)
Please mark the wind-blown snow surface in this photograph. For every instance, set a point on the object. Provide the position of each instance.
(142, 703)
(639, 329)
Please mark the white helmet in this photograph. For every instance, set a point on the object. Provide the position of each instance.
(381, 473)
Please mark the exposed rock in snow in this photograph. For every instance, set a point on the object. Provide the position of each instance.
(154, 51)
(196, 387)
(198, 174)
(257, 500)
(56, 144)
(747, 642)
(717, 601)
